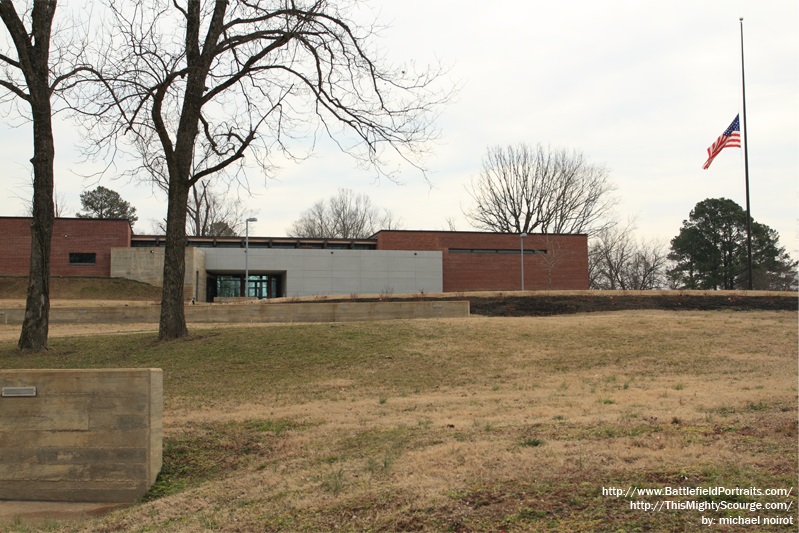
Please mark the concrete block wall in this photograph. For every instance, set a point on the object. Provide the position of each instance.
(91, 435)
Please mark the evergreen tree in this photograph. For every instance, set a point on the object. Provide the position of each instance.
(105, 203)
(710, 251)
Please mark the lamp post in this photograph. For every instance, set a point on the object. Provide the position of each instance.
(247, 255)
(521, 253)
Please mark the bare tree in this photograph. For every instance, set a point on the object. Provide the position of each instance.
(225, 79)
(524, 189)
(556, 254)
(60, 206)
(33, 73)
(450, 224)
(344, 216)
(212, 214)
(618, 261)
(314, 223)
(209, 213)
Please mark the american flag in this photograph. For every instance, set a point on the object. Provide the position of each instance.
(730, 138)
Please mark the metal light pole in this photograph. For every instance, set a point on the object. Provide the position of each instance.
(247, 255)
(521, 250)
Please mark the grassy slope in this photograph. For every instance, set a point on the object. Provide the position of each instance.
(13, 288)
(481, 424)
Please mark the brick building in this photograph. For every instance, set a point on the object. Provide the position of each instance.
(80, 246)
(478, 261)
(389, 261)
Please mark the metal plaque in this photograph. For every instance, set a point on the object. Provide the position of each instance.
(19, 392)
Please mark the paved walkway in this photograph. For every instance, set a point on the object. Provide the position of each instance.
(37, 512)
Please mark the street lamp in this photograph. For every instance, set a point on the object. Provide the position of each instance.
(521, 250)
(247, 255)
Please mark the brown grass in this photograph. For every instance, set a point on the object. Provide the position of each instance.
(487, 424)
(14, 288)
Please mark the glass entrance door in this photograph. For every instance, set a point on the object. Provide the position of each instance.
(259, 288)
(265, 286)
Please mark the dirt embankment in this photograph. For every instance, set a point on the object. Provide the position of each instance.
(569, 302)
(678, 301)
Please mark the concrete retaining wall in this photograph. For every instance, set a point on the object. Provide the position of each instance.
(147, 265)
(295, 312)
(86, 436)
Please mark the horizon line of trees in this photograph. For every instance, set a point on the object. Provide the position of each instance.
(709, 253)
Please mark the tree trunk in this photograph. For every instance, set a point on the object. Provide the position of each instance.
(35, 325)
(173, 318)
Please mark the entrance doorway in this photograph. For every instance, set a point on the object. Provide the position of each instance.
(232, 286)
(265, 286)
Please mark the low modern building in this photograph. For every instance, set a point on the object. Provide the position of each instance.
(389, 262)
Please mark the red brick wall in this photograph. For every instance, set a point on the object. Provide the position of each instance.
(563, 267)
(70, 235)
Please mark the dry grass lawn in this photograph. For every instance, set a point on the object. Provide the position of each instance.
(479, 424)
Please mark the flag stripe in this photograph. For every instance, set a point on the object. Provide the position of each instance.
(731, 138)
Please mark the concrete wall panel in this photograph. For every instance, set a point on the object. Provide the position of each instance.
(147, 265)
(343, 272)
(87, 435)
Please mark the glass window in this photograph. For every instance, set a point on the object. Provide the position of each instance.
(228, 286)
(517, 251)
(82, 259)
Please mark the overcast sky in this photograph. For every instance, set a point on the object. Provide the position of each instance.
(640, 87)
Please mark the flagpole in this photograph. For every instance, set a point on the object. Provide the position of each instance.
(746, 162)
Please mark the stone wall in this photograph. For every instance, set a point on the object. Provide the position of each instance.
(91, 435)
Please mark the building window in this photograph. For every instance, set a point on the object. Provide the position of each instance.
(517, 251)
(82, 259)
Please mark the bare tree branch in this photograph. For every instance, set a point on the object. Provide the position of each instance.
(344, 216)
(522, 189)
(619, 261)
(194, 89)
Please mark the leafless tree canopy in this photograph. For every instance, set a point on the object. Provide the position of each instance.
(618, 261)
(344, 216)
(524, 189)
(210, 212)
(195, 86)
(214, 214)
(255, 74)
(61, 207)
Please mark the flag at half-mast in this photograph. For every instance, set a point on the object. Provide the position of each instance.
(731, 138)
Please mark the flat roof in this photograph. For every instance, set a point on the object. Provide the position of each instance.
(258, 242)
